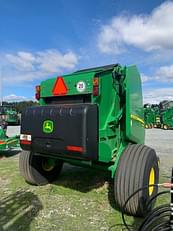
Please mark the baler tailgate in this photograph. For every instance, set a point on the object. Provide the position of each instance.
(62, 129)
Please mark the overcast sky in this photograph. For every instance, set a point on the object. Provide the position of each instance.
(43, 39)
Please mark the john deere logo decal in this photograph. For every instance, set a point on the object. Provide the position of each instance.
(48, 126)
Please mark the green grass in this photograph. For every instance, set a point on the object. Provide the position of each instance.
(81, 199)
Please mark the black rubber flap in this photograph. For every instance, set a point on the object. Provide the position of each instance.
(70, 130)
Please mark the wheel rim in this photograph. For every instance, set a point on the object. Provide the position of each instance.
(165, 127)
(47, 165)
(151, 181)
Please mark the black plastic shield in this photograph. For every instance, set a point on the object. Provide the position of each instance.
(64, 130)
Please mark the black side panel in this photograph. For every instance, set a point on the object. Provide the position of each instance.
(74, 125)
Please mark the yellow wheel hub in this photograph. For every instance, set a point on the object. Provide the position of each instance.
(151, 181)
(47, 166)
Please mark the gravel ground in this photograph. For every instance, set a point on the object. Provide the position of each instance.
(160, 140)
(13, 130)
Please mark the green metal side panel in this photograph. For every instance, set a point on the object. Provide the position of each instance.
(109, 109)
(135, 131)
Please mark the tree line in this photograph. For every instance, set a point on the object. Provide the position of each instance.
(19, 106)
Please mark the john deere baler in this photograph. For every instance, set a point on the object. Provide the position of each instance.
(91, 118)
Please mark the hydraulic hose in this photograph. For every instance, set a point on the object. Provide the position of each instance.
(160, 218)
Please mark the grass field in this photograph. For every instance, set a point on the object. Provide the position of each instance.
(81, 199)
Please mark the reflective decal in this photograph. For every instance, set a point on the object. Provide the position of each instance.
(81, 86)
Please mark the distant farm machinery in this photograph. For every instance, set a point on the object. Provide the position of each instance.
(10, 115)
(159, 116)
(7, 143)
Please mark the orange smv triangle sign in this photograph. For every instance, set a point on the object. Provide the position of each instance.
(59, 87)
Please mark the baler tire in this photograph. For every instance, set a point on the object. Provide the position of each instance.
(138, 164)
(31, 169)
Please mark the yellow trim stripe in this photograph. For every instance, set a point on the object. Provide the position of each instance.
(11, 141)
(137, 118)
